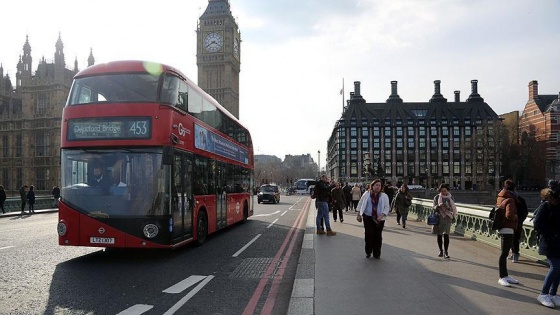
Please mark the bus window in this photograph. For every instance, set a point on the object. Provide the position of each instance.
(170, 90)
(195, 102)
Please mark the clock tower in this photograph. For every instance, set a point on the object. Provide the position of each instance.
(218, 54)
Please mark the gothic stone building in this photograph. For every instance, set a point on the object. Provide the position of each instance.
(424, 143)
(30, 120)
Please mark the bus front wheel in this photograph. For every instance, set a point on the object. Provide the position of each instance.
(201, 228)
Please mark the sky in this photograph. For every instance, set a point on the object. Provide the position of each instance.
(296, 55)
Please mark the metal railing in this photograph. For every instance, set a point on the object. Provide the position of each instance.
(473, 222)
(13, 204)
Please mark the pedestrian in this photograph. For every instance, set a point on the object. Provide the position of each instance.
(337, 202)
(23, 197)
(56, 196)
(401, 203)
(31, 199)
(347, 190)
(2, 198)
(322, 193)
(547, 225)
(444, 205)
(356, 195)
(390, 191)
(374, 207)
(522, 212)
(506, 200)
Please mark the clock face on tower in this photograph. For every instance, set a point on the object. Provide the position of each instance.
(213, 42)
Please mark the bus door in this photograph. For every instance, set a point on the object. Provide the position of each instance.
(221, 195)
(182, 198)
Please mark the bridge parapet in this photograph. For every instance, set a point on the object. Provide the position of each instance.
(473, 222)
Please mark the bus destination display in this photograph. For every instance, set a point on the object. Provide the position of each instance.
(110, 128)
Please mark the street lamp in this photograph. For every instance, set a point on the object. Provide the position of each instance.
(367, 164)
(427, 180)
(319, 163)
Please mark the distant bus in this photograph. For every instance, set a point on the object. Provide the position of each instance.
(304, 186)
(149, 160)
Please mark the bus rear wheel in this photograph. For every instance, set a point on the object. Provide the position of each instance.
(201, 228)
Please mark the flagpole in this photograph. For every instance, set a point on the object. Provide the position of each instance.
(342, 95)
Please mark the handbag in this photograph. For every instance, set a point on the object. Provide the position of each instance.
(433, 219)
(497, 216)
(359, 217)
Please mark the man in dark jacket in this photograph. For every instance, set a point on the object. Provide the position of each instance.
(23, 197)
(347, 190)
(322, 192)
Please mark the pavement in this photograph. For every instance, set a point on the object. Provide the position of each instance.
(18, 213)
(335, 277)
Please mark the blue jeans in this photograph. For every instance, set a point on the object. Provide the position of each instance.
(323, 212)
(552, 278)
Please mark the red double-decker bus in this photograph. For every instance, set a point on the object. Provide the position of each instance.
(149, 160)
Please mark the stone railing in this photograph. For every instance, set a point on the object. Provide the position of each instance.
(41, 202)
(473, 222)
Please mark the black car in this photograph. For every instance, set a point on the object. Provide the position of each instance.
(268, 193)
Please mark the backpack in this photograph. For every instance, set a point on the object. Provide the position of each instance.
(497, 216)
(522, 209)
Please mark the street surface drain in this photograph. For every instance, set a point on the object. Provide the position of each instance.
(252, 268)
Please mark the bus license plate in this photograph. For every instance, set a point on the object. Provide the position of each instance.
(102, 240)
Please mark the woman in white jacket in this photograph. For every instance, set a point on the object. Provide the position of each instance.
(374, 207)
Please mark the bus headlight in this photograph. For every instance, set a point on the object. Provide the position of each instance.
(61, 228)
(150, 230)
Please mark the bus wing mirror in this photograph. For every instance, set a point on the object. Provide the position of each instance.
(167, 158)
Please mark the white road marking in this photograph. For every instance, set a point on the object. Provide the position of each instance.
(292, 207)
(266, 214)
(283, 213)
(183, 285)
(271, 224)
(247, 245)
(187, 297)
(136, 309)
(1, 248)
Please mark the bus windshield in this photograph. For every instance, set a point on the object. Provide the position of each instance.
(109, 183)
(110, 88)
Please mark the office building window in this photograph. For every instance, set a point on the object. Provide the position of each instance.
(410, 142)
(387, 144)
(365, 132)
(410, 132)
(457, 168)
(387, 132)
(433, 131)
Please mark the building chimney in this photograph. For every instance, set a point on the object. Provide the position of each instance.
(356, 96)
(437, 97)
(533, 90)
(474, 97)
(357, 88)
(457, 96)
(394, 97)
